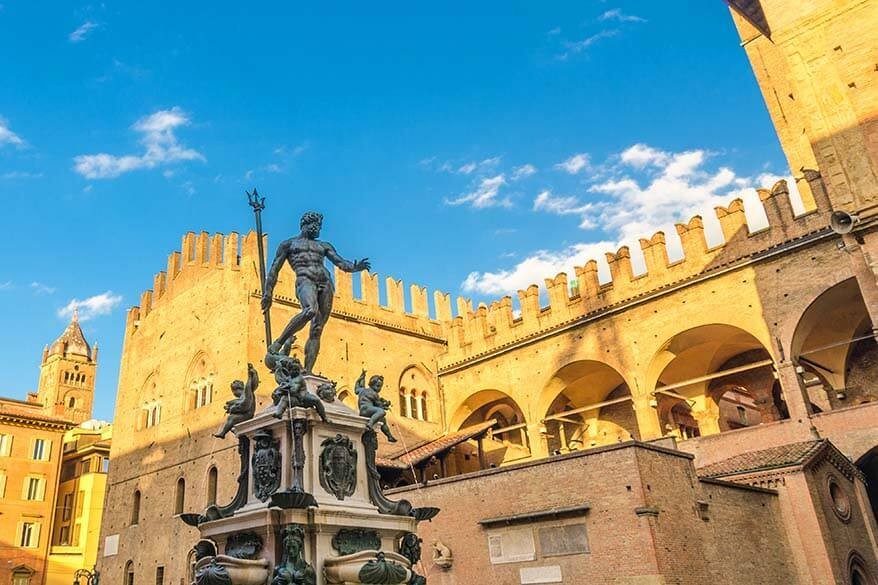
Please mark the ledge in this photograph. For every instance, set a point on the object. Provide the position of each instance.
(554, 513)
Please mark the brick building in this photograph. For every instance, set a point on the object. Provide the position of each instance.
(755, 357)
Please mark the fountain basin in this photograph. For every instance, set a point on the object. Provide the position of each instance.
(240, 571)
(368, 567)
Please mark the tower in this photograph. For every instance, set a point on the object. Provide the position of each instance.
(817, 67)
(67, 375)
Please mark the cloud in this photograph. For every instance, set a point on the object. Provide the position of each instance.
(471, 167)
(554, 31)
(95, 306)
(525, 170)
(22, 175)
(646, 189)
(7, 136)
(484, 195)
(160, 143)
(41, 289)
(6, 285)
(617, 15)
(580, 46)
(81, 33)
(533, 269)
(574, 164)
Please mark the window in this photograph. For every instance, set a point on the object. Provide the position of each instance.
(129, 573)
(67, 507)
(159, 576)
(21, 577)
(105, 465)
(5, 445)
(34, 488)
(135, 508)
(211, 486)
(42, 450)
(422, 406)
(742, 414)
(180, 499)
(85, 466)
(403, 400)
(64, 536)
(2, 484)
(151, 415)
(71, 402)
(203, 393)
(29, 535)
(80, 503)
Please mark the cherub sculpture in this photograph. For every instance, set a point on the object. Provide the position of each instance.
(291, 388)
(372, 405)
(243, 406)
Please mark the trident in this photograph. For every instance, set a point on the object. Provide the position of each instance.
(258, 204)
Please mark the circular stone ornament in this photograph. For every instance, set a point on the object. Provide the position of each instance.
(841, 503)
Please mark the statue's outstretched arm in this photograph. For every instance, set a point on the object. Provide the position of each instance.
(346, 265)
(360, 383)
(252, 378)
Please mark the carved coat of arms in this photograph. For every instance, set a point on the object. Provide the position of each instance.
(338, 466)
(266, 464)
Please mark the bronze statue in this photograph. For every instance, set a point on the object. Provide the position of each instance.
(243, 406)
(372, 405)
(293, 569)
(291, 388)
(314, 289)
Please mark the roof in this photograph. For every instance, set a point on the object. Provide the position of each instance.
(428, 450)
(33, 414)
(72, 341)
(773, 458)
(752, 11)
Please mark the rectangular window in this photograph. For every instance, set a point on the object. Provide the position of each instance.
(66, 507)
(2, 484)
(80, 503)
(64, 536)
(34, 488)
(42, 450)
(20, 579)
(5, 445)
(29, 535)
(85, 466)
(105, 465)
(159, 576)
(570, 539)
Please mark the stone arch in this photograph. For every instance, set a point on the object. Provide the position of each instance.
(416, 387)
(212, 478)
(859, 573)
(129, 573)
(135, 507)
(507, 441)
(180, 496)
(832, 345)
(199, 381)
(586, 403)
(712, 378)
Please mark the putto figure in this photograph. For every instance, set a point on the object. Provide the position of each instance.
(314, 289)
(371, 404)
(243, 406)
(291, 388)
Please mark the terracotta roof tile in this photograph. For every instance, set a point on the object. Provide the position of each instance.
(441, 444)
(772, 458)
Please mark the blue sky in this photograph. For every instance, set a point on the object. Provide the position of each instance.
(472, 147)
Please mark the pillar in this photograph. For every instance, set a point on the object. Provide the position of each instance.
(648, 422)
(793, 391)
(539, 447)
(483, 463)
(863, 257)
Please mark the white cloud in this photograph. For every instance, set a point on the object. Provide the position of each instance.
(533, 269)
(6, 285)
(22, 175)
(471, 167)
(545, 201)
(7, 136)
(158, 138)
(484, 195)
(81, 33)
(525, 170)
(41, 289)
(574, 164)
(95, 306)
(580, 46)
(617, 15)
(665, 188)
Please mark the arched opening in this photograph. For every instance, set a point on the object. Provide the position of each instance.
(22, 575)
(135, 508)
(505, 441)
(414, 386)
(422, 407)
(589, 404)
(211, 486)
(129, 573)
(199, 379)
(71, 402)
(834, 346)
(403, 402)
(860, 575)
(180, 496)
(714, 378)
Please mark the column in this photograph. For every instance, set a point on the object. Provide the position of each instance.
(861, 256)
(647, 418)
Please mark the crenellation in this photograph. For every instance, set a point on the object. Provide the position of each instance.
(655, 254)
(216, 250)
(588, 281)
(621, 272)
(174, 265)
(420, 307)
(559, 296)
(188, 247)
(529, 301)
(344, 286)
(464, 306)
(501, 317)
(201, 248)
(146, 302)
(369, 288)
(395, 295)
(442, 306)
(232, 251)
(159, 283)
(692, 240)
(731, 219)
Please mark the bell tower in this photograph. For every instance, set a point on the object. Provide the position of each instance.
(67, 375)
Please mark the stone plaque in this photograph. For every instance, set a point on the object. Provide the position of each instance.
(511, 545)
(569, 539)
(551, 574)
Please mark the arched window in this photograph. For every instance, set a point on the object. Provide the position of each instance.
(402, 401)
(411, 407)
(211, 486)
(66, 377)
(71, 402)
(129, 573)
(422, 406)
(180, 499)
(135, 508)
(203, 391)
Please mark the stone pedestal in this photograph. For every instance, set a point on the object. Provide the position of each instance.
(321, 485)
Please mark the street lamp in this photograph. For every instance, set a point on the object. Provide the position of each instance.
(92, 577)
